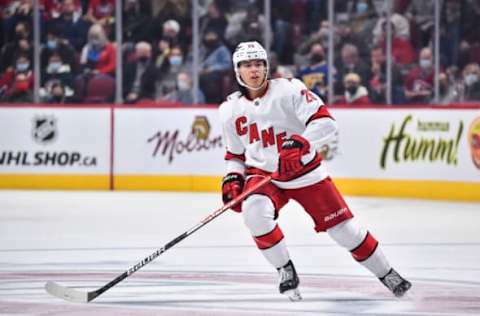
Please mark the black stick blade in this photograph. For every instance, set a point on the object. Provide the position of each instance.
(66, 293)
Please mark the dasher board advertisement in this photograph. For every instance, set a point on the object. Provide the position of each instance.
(411, 144)
(54, 140)
(184, 141)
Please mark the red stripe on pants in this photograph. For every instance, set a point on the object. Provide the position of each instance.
(365, 249)
(269, 239)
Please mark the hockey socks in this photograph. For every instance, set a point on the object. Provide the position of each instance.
(369, 255)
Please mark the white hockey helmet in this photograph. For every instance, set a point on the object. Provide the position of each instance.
(246, 51)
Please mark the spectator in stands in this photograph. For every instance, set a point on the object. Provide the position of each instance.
(161, 53)
(420, 14)
(247, 24)
(53, 8)
(377, 83)
(355, 93)
(321, 36)
(174, 63)
(20, 44)
(346, 35)
(216, 62)
(315, 75)
(471, 79)
(419, 81)
(136, 20)
(56, 45)
(57, 94)
(72, 27)
(277, 70)
(448, 89)
(57, 71)
(18, 11)
(402, 50)
(17, 84)
(350, 62)
(140, 75)
(284, 44)
(451, 24)
(98, 55)
(214, 19)
(102, 12)
(362, 17)
(400, 23)
(171, 32)
(184, 90)
(22, 65)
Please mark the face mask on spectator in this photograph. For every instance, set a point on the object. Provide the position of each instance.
(52, 44)
(23, 66)
(21, 35)
(143, 59)
(362, 7)
(316, 58)
(54, 66)
(425, 63)
(96, 43)
(352, 89)
(470, 79)
(183, 85)
(176, 60)
(210, 42)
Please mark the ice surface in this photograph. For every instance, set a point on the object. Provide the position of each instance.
(85, 239)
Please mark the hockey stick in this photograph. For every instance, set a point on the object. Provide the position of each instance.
(77, 296)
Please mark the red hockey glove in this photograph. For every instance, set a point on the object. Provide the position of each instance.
(232, 186)
(290, 157)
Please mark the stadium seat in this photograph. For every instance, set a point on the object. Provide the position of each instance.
(100, 89)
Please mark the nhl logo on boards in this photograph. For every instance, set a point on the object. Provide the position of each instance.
(44, 129)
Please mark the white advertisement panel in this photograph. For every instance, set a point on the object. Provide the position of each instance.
(43, 140)
(411, 144)
(423, 144)
(174, 141)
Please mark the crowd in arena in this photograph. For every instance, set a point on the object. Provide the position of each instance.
(78, 49)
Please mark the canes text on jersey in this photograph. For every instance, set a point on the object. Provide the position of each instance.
(267, 136)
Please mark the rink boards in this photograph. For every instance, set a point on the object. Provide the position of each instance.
(402, 152)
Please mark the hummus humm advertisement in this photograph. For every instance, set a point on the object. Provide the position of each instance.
(407, 144)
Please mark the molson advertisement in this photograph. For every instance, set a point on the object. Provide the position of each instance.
(168, 149)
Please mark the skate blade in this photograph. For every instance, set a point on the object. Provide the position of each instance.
(405, 291)
(293, 295)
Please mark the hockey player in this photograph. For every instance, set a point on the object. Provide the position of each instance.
(276, 127)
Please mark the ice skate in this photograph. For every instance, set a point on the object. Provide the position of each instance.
(395, 283)
(288, 282)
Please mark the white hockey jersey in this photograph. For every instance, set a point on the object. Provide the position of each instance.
(254, 130)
